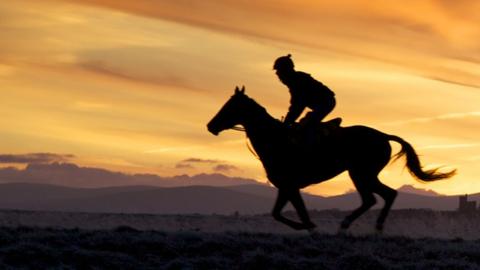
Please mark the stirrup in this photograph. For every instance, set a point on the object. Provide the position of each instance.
(334, 122)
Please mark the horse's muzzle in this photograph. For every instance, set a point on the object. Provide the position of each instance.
(212, 130)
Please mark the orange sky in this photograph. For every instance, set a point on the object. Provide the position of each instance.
(130, 85)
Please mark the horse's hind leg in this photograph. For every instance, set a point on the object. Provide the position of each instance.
(368, 200)
(389, 195)
(364, 188)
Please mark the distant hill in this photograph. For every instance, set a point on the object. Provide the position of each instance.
(418, 191)
(69, 174)
(131, 199)
(246, 199)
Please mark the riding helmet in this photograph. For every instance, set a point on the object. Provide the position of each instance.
(283, 63)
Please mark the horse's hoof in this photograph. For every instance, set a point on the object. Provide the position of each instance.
(345, 224)
(310, 226)
(314, 234)
(298, 227)
(342, 231)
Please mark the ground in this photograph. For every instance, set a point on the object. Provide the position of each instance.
(126, 248)
(50, 240)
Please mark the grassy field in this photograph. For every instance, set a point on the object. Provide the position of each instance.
(413, 223)
(127, 248)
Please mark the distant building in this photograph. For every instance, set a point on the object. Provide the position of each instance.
(465, 206)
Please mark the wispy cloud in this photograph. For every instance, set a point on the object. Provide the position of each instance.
(215, 164)
(35, 158)
(171, 149)
(105, 69)
(225, 168)
(199, 160)
(184, 166)
(455, 82)
(189, 162)
(450, 146)
(405, 38)
(473, 158)
(447, 116)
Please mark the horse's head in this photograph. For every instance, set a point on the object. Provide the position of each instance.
(230, 114)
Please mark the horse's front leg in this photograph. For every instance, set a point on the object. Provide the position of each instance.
(282, 198)
(297, 202)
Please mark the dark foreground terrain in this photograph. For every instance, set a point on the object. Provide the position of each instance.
(412, 223)
(127, 248)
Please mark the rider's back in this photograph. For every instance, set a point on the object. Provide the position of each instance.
(307, 91)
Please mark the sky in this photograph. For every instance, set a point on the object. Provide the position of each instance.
(130, 85)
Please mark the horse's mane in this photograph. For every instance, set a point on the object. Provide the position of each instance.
(255, 105)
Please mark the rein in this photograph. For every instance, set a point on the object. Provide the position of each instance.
(237, 128)
(248, 142)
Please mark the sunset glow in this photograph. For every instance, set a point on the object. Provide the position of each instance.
(130, 85)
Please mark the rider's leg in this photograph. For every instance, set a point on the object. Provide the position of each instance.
(320, 112)
(310, 122)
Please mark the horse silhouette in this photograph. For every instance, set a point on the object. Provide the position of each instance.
(291, 166)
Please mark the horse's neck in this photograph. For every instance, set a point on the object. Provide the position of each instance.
(263, 131)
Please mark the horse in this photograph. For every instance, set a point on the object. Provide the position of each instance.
(291, 165)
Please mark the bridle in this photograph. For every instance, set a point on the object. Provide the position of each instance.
(237, 128)
(247, 141)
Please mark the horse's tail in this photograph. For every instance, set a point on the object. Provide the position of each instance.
(413, 163)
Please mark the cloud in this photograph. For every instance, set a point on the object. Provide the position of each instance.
(183, 166)
(450, 146)
(224, 168)
(189, 163)
(447, 116)
(35, 158)
(105, 69)
(69, 174)
(217, 165)
(383, 31)
(199, 160)
(273, 19)
(454, 82)
(146, 64)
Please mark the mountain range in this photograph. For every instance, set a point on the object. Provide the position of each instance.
(69, 187)
(69, 174)
(245, 199)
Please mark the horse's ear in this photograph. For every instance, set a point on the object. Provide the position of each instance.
(237, 90)
(243, 89)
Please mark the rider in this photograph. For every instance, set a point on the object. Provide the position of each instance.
(305, 92)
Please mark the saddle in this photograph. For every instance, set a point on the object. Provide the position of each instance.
(308, 135)
(329, 127)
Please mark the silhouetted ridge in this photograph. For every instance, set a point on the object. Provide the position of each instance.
(73, 175)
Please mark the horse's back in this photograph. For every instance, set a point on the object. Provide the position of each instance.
(361, 145)
(363, 132)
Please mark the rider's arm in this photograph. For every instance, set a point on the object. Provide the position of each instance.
(294, 111)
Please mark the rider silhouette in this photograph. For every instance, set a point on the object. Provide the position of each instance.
(305, 92)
